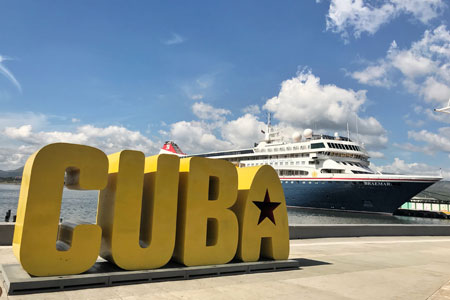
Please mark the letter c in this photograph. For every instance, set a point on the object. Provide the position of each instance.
(42, 246)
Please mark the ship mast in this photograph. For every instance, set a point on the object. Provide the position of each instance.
(267, 137)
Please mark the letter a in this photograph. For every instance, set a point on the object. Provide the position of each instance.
(262, 215)
(42, 247)
(207, 229)
(138, 211)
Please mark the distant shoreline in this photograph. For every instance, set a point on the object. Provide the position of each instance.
(10, 182)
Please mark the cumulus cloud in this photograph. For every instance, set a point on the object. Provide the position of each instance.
(244, 131)
(359, 16)
(251, 109)
(399, 166)
(196, 137)
(423, 69)
(209, 135)
(8, 74)
(375, 75)
(109, 139)
(434, 141)
(205, 111)
(303, 102)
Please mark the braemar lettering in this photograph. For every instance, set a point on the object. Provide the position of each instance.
(196, 211)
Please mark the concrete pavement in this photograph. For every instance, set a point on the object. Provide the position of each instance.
(332, 268)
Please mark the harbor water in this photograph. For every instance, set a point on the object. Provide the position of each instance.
(81, 206)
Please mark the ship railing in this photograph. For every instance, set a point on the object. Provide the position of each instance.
(329, 137)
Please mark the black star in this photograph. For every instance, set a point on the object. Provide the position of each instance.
(266, 208)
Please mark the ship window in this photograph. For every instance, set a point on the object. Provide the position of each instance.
(331, 171)
(317, 145)
(281, 149)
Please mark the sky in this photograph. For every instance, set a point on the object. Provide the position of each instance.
(133, 74)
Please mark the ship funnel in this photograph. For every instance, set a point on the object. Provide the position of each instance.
(171, 148)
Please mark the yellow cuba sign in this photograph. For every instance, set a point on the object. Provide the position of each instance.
(196, 211)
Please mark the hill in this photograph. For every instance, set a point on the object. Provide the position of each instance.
(11, 173)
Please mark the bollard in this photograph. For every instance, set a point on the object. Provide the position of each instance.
(8, 215)
(14, 218)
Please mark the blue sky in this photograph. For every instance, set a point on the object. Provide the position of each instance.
(132, 74)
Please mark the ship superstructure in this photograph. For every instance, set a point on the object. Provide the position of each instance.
(323, 171)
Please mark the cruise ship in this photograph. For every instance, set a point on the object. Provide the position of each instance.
(322, 171)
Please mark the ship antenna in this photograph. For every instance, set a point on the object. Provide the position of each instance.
(357, 132)
(268, 128)
(348, 132)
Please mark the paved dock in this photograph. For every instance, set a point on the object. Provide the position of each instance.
(331, 268)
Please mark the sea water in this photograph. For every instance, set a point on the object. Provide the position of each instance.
(81, 206)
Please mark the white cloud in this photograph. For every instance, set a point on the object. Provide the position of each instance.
(399, 166)
(244, 131)
(8, 74)
(109, 139)
(373, 75)
(303, 102)
(432, 89)
(376, 154)
(196, 137)
(434, 141)
(359, 16)
(205, 111)
(423, 69)
(175, 39)
(197, 97)
(251, 109)
(213, 132)
(423, 10)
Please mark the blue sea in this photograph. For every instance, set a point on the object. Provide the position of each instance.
(81, 206)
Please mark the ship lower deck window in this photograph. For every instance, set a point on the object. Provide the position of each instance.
(293, 173)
